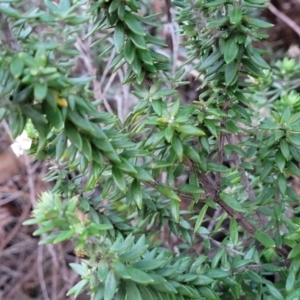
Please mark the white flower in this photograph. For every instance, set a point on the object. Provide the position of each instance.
(22, 143)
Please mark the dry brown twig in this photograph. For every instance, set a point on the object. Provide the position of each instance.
(284, 18)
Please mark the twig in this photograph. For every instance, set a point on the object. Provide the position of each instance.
(92, 71)
(53, 255)
(258, 268)
(214, 219)
(29, 275)
(284, 18)
(220, 157)
(175, 43)
(249, 190)
(16, 229)
(8, 37)
(66, 287)
(219, 245)
(40, 263)
(212, 193)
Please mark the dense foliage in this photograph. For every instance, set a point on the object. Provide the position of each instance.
(213, 174)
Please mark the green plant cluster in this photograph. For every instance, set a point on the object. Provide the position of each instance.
(237, 163)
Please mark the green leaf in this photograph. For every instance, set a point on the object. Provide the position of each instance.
(78, 268)
(216, 274)
(78, 288)
(220, 22)
(114, 6)
(121, 11)
(293, 138)
(9, 11)
(136, 193)
(200, 217)
(167, 191)
(284, 147)
(217, 168)
(189, 188)
(202, 280)
(136, 66)
(3, 113)
(293, 169)
(138, 40)
(285, 115)
(210, 60)
(16, 66)
(190, 130)
(111, 284)
(290, 281)
(241, 97)
(132, 291)
(99, 294)
(143, 175)
(295, 252)
(174, 205)
(119, 37)
(256, 59)
(258, 23)
(280, 160)
(241, 263)
(232, 202)
(254, 276)
(73, 135)
(145, 293)
(64, 235)
(129, 52)
(236, 15)
(266, 170)
(39, 121)
(274, 291)
(163, 93)
(145, 56)
(53, 114)
(76, 20)
(242, 112)
(191, 153)
(97, 156)
(252, 68)
(233, 231)
(139, 276)
(282, 183)
(149, 264)
(120, 269)
(126, 166)
(133, 254)
(169, 132)
(102, 270)
(133, 24)
(64, 5)
(231, 72)
(231, 50)
(177, 147)
(119, 178)
(264, 239)
(214, 3)
(86, 148)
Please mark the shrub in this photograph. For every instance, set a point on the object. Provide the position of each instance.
(212, 174)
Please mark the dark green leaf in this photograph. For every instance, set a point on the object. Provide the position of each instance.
(265, 239)
(133, 24)
(119, 37)
(119, 178)
(132, 291)
(231, 50)
(111, 284)
(232, 202)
